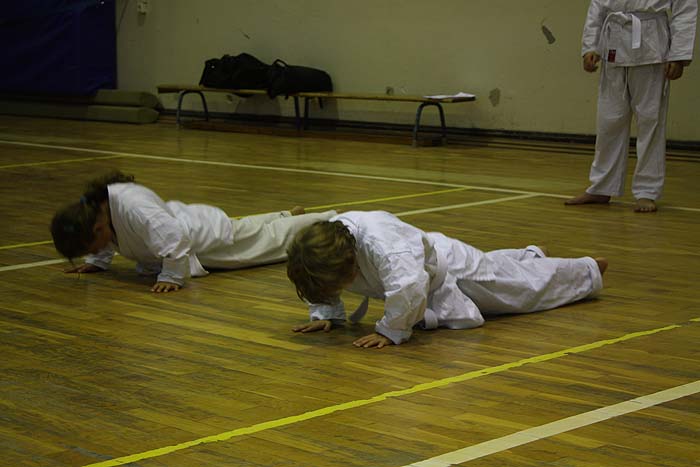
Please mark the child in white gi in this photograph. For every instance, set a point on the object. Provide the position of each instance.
(641, 50)
(169, 239)
(425, 279)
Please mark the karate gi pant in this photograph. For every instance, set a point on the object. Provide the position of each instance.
(526, 281)
(641, 91)
(261, 239)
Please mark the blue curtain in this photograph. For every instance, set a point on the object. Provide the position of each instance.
(57, 47)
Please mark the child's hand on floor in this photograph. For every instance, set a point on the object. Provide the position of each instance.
(373, 340)
(165, 287)
(83, 269)
(314, 326)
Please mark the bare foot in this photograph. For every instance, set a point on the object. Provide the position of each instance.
(645, 205)
(297, 210)
(602, 264)
(588, 198)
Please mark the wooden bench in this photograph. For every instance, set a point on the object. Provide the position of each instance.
(302, 121)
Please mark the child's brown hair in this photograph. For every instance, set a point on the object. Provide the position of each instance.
(72, 227)
(321, 261)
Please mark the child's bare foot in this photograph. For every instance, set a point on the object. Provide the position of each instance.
(297, 210)
(588, 198)
(645, 205)
(602, 264)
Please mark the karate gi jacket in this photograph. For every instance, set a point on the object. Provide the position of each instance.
(640, 32)
(414, 272)
(164, 238)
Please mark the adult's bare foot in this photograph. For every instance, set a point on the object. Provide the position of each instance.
(297, 210)
(588, 198)
(645, 205)
(602, 264)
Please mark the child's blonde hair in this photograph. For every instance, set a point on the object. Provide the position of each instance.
(321, 261)
(72, 226)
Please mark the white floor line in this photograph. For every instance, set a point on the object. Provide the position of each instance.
(560, 426)
(309, 171)
(61, 161)
(279, 169)
(31, 265)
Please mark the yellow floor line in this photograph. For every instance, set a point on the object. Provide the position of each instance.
(379, 398)
(464, 205)
(390, 198)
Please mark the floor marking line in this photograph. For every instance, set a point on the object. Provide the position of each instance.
(279, 169)
(313, 208)
(31, 265)
(369, 201)
(309, 171)
(333, 174)
(62, 161)
(406, 213)
(24, 245)
(389, 198)
(464, 205)
(271, 424)
(557, 427)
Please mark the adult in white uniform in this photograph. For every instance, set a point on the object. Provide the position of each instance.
(174, 240)
(643, 44)
(425, 279)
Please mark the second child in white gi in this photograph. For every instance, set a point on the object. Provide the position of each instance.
(425, 279)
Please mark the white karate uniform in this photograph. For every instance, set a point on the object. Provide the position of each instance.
(177, 240)
(430, 280)
(635, 39)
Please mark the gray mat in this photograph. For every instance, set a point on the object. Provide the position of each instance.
(107, 113)
(102, 97)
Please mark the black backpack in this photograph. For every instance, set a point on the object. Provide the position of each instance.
(242, 71)
(289, 79)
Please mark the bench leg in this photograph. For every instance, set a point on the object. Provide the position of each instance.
(297, 114)
(181, 96)
(306, 113)
(206, 109)
(442, 124)
(416, 127)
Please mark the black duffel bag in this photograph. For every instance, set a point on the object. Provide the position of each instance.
(249, 73)
(289, 79)
(214, 74)
(242, 71)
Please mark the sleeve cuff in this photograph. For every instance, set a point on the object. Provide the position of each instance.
(99, 262)
(175, 271)
(396, 336)
(334, 313)
(96, 262)
(680, 58)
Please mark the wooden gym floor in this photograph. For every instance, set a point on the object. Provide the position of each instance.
(97, 371)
